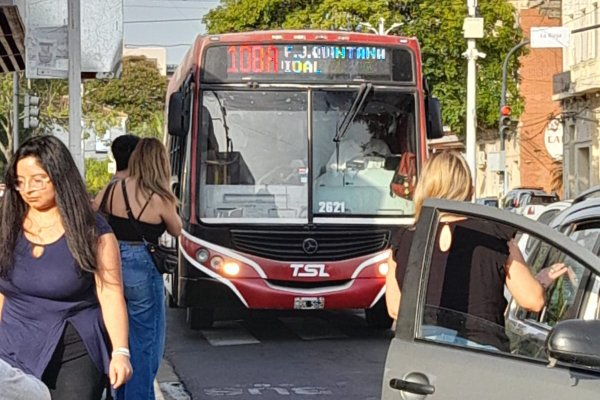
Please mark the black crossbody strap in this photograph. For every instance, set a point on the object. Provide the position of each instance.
(134, 222)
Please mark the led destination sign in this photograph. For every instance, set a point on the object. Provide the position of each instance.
(306, 62)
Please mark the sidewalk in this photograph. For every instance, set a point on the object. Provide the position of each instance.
(167, 385)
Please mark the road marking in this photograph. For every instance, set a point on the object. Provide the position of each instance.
(258, 389)
(228, 333)
(312, 328)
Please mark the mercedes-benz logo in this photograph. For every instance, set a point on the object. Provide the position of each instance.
(310, 246)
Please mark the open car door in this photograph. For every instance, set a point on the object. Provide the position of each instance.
(475, 358)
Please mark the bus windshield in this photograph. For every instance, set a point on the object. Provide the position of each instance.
(257, 150)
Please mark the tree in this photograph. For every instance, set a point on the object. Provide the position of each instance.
(96, 174)
(139, 93)
(6, 120)
(436, 23)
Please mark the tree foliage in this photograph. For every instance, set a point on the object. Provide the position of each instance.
(436, 23)
(96, 174)
(140, 93)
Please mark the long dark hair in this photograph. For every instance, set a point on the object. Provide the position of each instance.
(75, 209)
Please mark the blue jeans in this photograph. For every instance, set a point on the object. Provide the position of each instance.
(144, 294)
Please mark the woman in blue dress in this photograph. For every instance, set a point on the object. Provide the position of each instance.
(61, 297)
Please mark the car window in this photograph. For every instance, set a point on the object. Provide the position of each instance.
(544, 218)
(547, 216)
(465, 303)
(542, 200)
(524, 199)
(509, 201)
(564, 298)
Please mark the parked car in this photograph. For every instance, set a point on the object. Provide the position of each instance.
(543, 214)
(532, 204)
(488, 201)
(554, 359)
(515, 198)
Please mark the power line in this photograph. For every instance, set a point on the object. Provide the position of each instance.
(157, 45)
(153, 21)
(168, 6)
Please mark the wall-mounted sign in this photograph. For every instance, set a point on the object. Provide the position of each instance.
(46, 37)
(553, 139)
(547, 37)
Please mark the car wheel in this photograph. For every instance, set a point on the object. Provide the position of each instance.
(199, 318)
(377, 317)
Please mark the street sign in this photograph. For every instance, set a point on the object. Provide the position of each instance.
(553, 139)
(549, 37)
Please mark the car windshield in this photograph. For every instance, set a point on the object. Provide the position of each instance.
(542, 200)
(255, 154)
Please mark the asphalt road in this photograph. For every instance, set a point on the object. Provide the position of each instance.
(270, 355)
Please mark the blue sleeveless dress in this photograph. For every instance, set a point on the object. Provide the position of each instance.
(41, 295)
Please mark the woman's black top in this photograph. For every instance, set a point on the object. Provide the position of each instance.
(124, 231)
(465, 291)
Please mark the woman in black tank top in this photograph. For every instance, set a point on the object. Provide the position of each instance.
(146, 197)
(472, 261)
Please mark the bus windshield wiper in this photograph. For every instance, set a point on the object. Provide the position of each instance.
(361, 97)
(224, 120)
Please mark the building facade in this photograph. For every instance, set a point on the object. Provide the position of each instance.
(527, 161)
(577, 88)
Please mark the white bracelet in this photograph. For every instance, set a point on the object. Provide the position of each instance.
(124, 351)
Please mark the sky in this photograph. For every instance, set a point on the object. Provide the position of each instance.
(176, 36)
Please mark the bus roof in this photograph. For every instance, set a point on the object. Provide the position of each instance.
(191, 57)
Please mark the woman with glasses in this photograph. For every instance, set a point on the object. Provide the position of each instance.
(61, 296)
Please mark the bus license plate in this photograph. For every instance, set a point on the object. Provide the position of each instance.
(309, 303)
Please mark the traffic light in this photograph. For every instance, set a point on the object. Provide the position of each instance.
(31, 111)
(505, 122)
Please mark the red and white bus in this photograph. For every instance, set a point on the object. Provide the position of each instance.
(294, 155)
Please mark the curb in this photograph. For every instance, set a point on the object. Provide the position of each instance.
(157, 392)
(167, 385)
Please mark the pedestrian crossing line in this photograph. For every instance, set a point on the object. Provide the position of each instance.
(228, 333)
(312, 328)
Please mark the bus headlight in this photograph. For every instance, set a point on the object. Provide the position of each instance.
(383, 269)
(216, 262)
(202, 255)
(231, 268)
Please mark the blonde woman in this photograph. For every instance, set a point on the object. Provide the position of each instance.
(154, 206)
(446, 175)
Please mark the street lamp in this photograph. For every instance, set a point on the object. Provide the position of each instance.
(381, 29)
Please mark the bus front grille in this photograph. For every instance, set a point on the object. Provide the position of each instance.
(307, 246)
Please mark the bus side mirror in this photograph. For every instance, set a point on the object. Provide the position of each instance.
(435, 129)
(179, 115)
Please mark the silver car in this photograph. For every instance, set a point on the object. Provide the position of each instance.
(554, 354)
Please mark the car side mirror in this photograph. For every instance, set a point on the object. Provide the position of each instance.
(575, 342)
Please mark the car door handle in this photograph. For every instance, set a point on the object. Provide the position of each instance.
(412, 387)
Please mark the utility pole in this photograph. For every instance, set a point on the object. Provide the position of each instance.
(15, 123)
(74, 39)
(473, 29)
